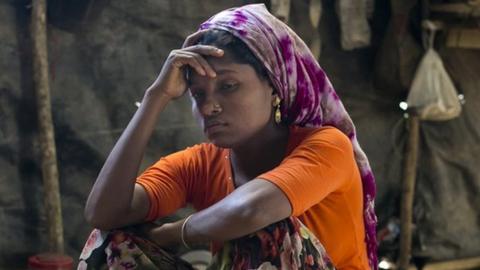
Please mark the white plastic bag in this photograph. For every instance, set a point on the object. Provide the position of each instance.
(432, 93)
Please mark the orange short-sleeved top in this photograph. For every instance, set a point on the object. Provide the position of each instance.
(319, 176)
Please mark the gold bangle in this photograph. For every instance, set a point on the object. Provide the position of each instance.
(182, 233)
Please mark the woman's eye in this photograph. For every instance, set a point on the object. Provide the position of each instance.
(196, 94)
(228, 86)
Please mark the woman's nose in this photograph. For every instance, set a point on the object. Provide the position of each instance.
(211, 107)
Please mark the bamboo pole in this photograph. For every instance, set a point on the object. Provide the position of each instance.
(408, 192)
(46, 131)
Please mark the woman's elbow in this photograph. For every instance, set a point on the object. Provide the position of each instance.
(97, 220)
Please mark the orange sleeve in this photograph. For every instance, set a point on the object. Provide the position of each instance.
(167, 183)
(321, 164)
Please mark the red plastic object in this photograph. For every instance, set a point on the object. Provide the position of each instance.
(50, 261)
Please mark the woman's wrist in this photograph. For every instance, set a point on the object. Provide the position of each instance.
(156, 94)
(155, 101)
(168, 234)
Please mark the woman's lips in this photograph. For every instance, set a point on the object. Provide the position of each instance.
(213, 126)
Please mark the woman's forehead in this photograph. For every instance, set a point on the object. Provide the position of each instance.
(224, 66)
(224, 61)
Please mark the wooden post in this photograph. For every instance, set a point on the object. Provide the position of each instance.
(46, 131)
(408, 192)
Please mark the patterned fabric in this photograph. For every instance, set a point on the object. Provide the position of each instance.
(308, 97)
(123, 250)
(287, 244)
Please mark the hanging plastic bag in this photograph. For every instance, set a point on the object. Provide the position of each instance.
(432, 93)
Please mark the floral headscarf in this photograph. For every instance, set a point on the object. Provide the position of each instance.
(308, 97)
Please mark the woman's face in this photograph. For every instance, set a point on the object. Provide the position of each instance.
(233, 107)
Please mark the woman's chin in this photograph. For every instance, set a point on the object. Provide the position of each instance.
(220, 143)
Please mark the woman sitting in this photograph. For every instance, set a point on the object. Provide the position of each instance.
(282, 183)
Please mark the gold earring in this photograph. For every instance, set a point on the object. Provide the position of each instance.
(278, 113)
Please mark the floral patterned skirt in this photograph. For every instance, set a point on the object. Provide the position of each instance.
(287, 244)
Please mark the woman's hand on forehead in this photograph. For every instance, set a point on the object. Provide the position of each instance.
(197, 55)
(172, 81)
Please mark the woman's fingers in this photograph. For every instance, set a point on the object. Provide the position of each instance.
(205, 65)
(206, 50)
(183, 58)
(197, 52)
(201, 51)
(194, 56)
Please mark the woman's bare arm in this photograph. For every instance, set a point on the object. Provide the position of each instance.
(247, 209)
(115, 200)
